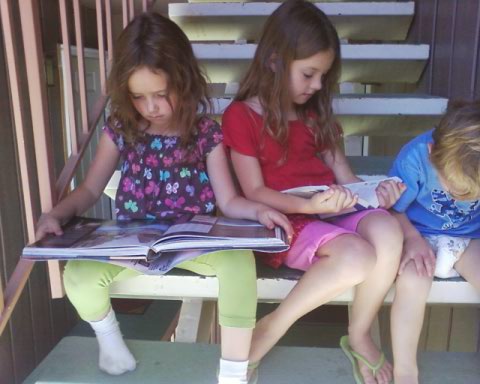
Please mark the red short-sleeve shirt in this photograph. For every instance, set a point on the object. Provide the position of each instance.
(243, 132)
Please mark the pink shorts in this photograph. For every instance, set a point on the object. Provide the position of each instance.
(302, 253)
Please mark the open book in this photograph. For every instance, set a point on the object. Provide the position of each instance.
(148, 240)
(366, 191)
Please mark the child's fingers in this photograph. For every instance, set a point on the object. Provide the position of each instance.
(321, 197)
(39, 234)
(392, 189)
(267, 221)
(381, 199)
(403, 263)
(420, 265)
(353, 202)
(282, 221)
(349, 199)
(429, 261)
(386, 195)
(341, 199)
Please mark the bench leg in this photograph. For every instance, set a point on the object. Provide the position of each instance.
(195, 321)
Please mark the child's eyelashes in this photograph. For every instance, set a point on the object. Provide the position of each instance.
(141, 97)
(307, 76)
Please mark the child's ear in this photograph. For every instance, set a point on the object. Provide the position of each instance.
(429, 146)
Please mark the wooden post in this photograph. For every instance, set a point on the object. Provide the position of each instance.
(32, 43)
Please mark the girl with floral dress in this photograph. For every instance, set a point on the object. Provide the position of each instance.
(172, 163)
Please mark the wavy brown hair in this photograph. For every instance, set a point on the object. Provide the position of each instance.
(296, 30)
(153, 41)
(456, 147)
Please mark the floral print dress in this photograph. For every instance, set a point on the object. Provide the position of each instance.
(162, 180)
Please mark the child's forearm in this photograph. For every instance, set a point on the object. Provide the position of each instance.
(409, 230)
(285, 203)
(76, 203)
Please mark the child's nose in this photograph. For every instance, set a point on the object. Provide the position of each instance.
(317, 85)
(152, 106)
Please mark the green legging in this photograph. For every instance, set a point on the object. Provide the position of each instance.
(87, 285)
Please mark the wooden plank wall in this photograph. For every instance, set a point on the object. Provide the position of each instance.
(452, 28)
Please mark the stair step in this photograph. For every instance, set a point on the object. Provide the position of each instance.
(380, 114)
(244, 21)
(361, 63)
(74, 360)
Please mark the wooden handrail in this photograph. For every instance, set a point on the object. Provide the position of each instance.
(36, 84)
(63, 183)
(14, 289)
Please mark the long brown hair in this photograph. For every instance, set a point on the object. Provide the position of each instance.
(296, 30)
(153, 41)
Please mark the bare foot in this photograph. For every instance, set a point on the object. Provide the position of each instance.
(365, 346)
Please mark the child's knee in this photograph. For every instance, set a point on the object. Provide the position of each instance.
(387, 229)
(235, 263)
(412, 284)
(78, 274)
(357, 260)
(243, 263)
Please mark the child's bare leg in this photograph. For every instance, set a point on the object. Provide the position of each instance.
(469, 264)
(344, 262)
(384, 234)
(236, 343)
(235, 348)
(408, 309)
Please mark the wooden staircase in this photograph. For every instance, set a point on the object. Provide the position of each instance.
(74, 361)
(224, 37)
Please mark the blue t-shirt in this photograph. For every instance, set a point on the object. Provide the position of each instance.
(430, 208)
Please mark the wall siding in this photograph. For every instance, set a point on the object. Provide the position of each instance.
(452, 28)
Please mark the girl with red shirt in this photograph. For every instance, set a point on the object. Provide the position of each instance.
(281, 134)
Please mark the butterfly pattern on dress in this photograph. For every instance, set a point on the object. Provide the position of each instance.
(162, 179)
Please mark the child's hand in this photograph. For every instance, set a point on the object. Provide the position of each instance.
(47, 224)
(388, 192)
(270, 217)
(335, 199)
(418, 250)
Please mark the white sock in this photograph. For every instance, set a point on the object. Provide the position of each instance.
(114, 357)
(232, 372)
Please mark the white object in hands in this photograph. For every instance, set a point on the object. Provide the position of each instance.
(365, 190)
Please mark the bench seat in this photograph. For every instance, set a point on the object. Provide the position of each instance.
(273, 286)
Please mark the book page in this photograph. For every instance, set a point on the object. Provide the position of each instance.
(367, 196)
(366, 191)
(117, 234)
(204, 232)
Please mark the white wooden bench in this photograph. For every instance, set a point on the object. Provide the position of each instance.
(199, 293)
